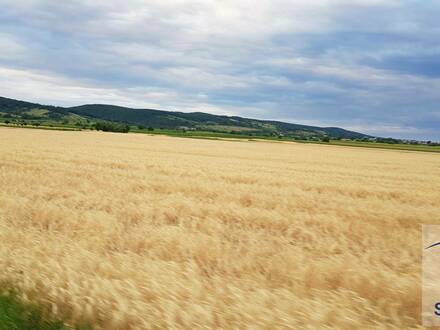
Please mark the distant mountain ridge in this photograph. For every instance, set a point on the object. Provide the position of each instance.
(164, 119)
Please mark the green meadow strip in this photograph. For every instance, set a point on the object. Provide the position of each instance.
(18, 315)
(231, 137)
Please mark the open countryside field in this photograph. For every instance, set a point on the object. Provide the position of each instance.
(130, 231)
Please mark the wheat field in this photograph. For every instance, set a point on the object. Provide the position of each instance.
(130, 231)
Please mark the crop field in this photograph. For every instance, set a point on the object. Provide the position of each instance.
(131, 231)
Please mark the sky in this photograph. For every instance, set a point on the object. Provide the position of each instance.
(368, 65)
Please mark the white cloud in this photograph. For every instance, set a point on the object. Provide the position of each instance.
(44, 88)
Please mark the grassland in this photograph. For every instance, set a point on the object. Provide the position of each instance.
(395, 146)
(212, 135)
(128, 231)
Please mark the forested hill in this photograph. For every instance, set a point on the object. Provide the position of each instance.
(15, 109)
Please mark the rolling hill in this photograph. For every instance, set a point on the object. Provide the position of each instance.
(86, 114)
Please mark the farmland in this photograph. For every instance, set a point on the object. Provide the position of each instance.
(126, 231)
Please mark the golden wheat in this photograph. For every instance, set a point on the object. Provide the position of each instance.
(135, 231)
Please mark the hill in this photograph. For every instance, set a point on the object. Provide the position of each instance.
(86, 114)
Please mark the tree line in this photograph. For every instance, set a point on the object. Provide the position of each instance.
(112, 127)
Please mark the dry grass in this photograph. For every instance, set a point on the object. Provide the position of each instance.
(134, 231)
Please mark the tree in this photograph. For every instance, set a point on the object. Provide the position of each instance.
(325, 139)
(112, 127)
(125, 129)
(7, 122)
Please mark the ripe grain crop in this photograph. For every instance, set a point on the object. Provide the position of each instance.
(129, 231)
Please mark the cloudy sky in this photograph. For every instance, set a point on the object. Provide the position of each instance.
(367, 65)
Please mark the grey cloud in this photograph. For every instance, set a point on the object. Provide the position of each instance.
(359, 63)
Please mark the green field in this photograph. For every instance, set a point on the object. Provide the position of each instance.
(399, 146)
(219, 135)
(54, 126)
